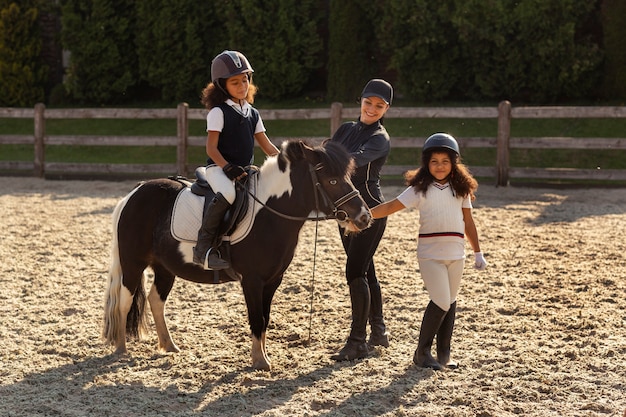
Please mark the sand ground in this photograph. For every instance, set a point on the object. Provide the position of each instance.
(542, 332)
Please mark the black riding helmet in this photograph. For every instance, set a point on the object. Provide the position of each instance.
(441, 142)
(228, 64)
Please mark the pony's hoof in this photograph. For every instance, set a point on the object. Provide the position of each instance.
(170, 348)
(120, 350)
(261, 365)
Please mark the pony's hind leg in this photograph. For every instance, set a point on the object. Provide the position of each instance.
(163, 282)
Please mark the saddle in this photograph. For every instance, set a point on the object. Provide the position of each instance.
(189, 206)
(238, 209)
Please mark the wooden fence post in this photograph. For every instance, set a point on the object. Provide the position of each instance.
(504, 136)
(335, 117)
(183, 138)
(39, 146)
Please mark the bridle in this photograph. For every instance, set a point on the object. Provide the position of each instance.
(319, 191)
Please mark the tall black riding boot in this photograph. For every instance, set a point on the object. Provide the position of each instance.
(430, 325)
(205, 252)
(378, 335)
(355, 347)
(444, 337)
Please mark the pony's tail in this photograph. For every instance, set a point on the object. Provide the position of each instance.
(113, 330)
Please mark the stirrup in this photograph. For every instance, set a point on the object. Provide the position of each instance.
(215, 263)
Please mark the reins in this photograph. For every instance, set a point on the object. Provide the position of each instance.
(317, 188)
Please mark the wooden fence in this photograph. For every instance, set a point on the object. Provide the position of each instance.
(503, 141)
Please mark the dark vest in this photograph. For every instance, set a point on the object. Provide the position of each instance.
(236, 142)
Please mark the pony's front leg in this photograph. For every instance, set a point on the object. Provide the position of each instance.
(260, 360)
(157, 306)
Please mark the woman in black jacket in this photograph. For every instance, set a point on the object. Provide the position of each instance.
(367, 141)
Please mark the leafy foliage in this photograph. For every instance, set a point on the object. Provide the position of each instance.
(492, 49)
(21, 71)
(538, 51)
(100, 35)
(176, 41)
(613, 12)
(280, 40)
(353, 56)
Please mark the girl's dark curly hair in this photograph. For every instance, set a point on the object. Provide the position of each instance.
(461, 181)
(213, 95)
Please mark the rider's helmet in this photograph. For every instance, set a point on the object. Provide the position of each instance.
(228, 64)
(441, 141)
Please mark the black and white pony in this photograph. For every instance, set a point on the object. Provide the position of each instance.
(300, 181)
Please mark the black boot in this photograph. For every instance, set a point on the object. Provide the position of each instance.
(205, 252)
(378, 335)
(355, 347)
(430, 324)
(444, 337)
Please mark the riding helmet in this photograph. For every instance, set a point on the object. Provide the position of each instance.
(378, 88)
(228, 64)
(441, 140)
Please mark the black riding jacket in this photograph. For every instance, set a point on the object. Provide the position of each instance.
(369, 146)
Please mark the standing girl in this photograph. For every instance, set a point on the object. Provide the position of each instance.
(442, 190)
(232, 125)
(367, 141)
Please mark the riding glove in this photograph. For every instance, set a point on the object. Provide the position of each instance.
(479, 261)
(233, 172)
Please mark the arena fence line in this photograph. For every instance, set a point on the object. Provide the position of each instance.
(503, 141)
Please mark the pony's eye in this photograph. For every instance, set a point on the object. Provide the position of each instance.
(333, 182)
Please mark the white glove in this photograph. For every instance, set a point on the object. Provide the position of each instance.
(479, 261)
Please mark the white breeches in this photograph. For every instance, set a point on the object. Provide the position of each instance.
(220, 182)
(442, 280)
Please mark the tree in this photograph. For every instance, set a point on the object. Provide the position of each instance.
(100, 35)
(353, 57)
(176, 41)
(21, 71)
(280, 40)
(613, 13)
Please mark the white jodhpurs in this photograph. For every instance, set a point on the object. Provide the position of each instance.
(442, 280)
(220, 182)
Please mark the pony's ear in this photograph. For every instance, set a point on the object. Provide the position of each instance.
(309, 153)
(296, 149)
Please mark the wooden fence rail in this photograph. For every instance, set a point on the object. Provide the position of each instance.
(503, 141)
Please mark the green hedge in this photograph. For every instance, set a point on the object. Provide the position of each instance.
(527, 51)
(22, 73)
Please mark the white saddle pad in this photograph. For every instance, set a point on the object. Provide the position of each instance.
(187, 216)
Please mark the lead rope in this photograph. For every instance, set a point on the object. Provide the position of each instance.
(317, 222)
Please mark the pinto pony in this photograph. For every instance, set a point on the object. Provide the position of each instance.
(299, 181)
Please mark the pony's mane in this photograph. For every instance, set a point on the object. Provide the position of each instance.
(335, 158)
(331, 155)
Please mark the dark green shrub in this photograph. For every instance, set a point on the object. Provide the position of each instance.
(353, 56)
(176, 41)
(614, 30)
(424, 47)
(492, 49)
(21, 71)
(279, 38)
(100, 34)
